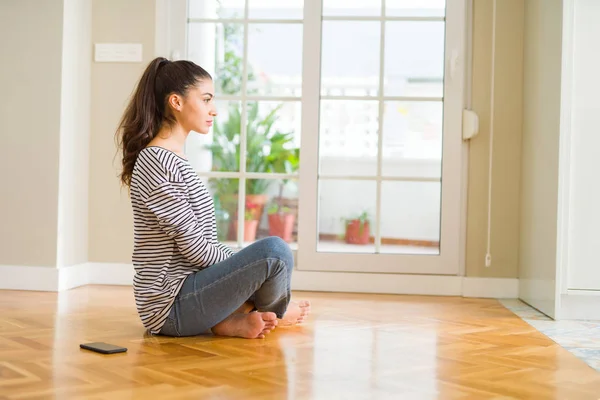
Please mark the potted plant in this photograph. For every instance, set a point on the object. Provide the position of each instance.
(268, 150)
(281, 222)
(282, 219)
(250, 221)
(358, 229)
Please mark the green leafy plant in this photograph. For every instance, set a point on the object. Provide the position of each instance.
(276, 208)
(267, 149)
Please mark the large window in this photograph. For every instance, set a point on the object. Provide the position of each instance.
(363, 88)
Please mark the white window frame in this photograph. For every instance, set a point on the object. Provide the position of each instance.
(450, 261)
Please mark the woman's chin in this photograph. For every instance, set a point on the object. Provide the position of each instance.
(202, 131)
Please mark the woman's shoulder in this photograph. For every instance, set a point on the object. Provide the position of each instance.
(160, 163)
(162, 153)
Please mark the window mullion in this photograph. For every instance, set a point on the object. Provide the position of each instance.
(243, 134)
(378, 200)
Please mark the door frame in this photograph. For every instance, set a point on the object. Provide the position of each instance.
(449, 260)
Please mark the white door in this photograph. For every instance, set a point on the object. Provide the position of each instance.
(381, 149)
(369, 92)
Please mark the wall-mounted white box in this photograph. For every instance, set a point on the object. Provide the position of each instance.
(118, 52)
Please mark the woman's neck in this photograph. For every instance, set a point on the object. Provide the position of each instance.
(172, 139)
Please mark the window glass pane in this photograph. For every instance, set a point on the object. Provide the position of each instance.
(412, 139)
(276, 9)
(216, 9)
(254, 209)
(415, 8)
(220, 149)
(346, 212)
(275, 59)
(271, 209)
(348, 137)
(225, 196)
(414, 59)
(412, 217)
(273, 141)
(219, 49)
(363, 8)
(350, 58)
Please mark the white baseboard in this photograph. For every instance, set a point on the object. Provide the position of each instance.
(73, 276)
(580, 304)
(496, 288)
(53, 279)
(28, 278)
(376, 283)
(95, 274)
(111, 274)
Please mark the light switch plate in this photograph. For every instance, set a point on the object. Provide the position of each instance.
(118, 52)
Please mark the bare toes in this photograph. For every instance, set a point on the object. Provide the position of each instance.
(269, 316)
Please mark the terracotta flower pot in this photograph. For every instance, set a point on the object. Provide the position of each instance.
(250, 230)
(250, 227)
(282, 225)
(355, 234)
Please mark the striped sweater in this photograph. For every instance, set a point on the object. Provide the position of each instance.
(175, 231)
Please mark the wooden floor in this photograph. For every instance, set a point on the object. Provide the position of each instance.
(354, 347)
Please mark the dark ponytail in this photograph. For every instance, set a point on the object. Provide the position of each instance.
(147, 110)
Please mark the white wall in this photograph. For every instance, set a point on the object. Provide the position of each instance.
(110, 217)
(541, 131)
(584, 240)
(30, 78)
(74, 134)
(45, 131)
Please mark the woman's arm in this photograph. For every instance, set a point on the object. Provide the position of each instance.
(177, 219)
(225, 248)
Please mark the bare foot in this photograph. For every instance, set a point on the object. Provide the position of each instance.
(245, 308)
(296, 313)
(254, 325)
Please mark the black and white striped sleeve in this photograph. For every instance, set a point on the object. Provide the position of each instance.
(177, 219)
(225, 248)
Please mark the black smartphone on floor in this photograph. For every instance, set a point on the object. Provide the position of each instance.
(103, 348)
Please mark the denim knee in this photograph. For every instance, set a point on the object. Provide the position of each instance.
(276, 247)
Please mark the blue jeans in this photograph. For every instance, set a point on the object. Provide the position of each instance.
(260, 273)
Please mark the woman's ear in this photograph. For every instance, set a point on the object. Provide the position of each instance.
(175, 102)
